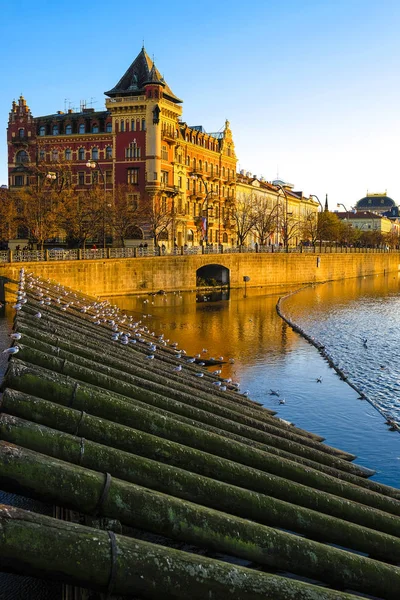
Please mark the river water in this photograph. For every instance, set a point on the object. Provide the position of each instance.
(263, 353)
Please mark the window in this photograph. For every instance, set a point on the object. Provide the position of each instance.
(164, 204)
(68, 129)
(164, 177)
(42, 155)
(81, 154)
(122, 128)
(190, 235)
(81, 128)
(19, 180)
(68, 154)
(155, 175)
(21, 133)
(108, 152)
(95, 128)
(180, 182)
(95, 154)
(94, 177)
(22, 157)
(108, 127)
(81, 178)
(54, 155)
(164, 153)
(42, 130)
(143, 124)
(133, 176)
(133, 125)
(55, 130)
(132, 151)
(108, 176)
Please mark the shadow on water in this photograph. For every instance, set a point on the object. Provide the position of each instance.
(213, 296)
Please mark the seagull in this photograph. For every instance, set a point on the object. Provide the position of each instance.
(12, 350)
(199, 374)
(177, 368)
(274, 392)
(319, 380)
(190, 360)
(217, 383)
(223, 388)
(282, 401)
(365, 342)
(38, 315)
(16, 336)
(150, 356)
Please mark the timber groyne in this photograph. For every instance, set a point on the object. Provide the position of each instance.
(171, 482)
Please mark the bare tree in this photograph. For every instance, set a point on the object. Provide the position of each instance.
(244, 214)
(158, 216)
(80, 214)
(37, 212)
(124, 213)
(8, 215)
(265, 219)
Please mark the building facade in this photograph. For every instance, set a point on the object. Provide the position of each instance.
(139, 141)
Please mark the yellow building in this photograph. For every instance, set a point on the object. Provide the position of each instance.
(277, 212)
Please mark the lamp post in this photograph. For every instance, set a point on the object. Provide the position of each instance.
(318, 224)
(209, 193)
(94, 164)
(285, 220)
(319, 202)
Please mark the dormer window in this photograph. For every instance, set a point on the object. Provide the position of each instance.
(82, 128)
(42, 130)
(95, 128)
(55, 130)
(109, 128)
(68, 130)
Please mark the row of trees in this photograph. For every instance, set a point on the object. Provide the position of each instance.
(78, 216)
(254, 216)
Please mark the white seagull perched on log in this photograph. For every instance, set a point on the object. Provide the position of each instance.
(12, 350)
(199, 374)
(16, 336)
(38, 315)
(177, 368)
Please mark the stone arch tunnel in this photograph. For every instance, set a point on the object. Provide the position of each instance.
(209, 274)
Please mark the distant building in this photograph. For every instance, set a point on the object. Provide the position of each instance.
(138, 140)
(378, 203)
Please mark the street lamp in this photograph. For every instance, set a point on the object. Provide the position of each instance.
(285, 221)
(94, 164)
(209, 193)
(319, 202)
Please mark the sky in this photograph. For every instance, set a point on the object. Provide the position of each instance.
(310, 87)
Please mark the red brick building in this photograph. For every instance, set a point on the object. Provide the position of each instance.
(139, 140)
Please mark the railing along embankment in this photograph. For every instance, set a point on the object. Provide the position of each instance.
(101, 416)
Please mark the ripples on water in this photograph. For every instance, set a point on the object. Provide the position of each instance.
(342, 315)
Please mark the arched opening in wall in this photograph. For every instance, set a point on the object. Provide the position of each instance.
(212, 276)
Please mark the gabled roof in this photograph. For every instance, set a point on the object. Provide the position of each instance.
(141, 72)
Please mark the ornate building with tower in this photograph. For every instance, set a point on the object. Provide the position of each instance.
(139, 140)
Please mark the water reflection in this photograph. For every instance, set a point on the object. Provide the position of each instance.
(214, 296)
(267, 354)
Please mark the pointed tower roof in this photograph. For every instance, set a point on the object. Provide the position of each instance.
(141, 72)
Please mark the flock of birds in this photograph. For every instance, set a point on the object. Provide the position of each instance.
(124, 329)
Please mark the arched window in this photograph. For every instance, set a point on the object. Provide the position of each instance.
(68, 129)
(54, 155)
(133, 125)
(68, 154)
(81, 154)
(95, 154)
(95, 128)
(108, 152)
(82, 128)
(194, 164)
(22, 157)
(42, 155)
(200, 165)
(122, 126)
(109, 127)
(55, 130)
(225, 238)
(42, 130)
(21, 132)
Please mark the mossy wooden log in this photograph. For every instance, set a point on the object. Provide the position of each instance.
(206, 411)
(110, 379)
(131, 440)
(81, 489)
(198, 489)
(45, 547)
(57, 388)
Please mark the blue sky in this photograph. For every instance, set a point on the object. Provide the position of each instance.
(310, 87)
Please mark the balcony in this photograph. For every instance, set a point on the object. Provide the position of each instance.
(22, 140)
(169, 136)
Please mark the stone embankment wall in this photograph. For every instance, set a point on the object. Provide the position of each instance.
(111, 277)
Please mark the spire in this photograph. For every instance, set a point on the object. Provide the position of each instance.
(326, 203)
(141, 71)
